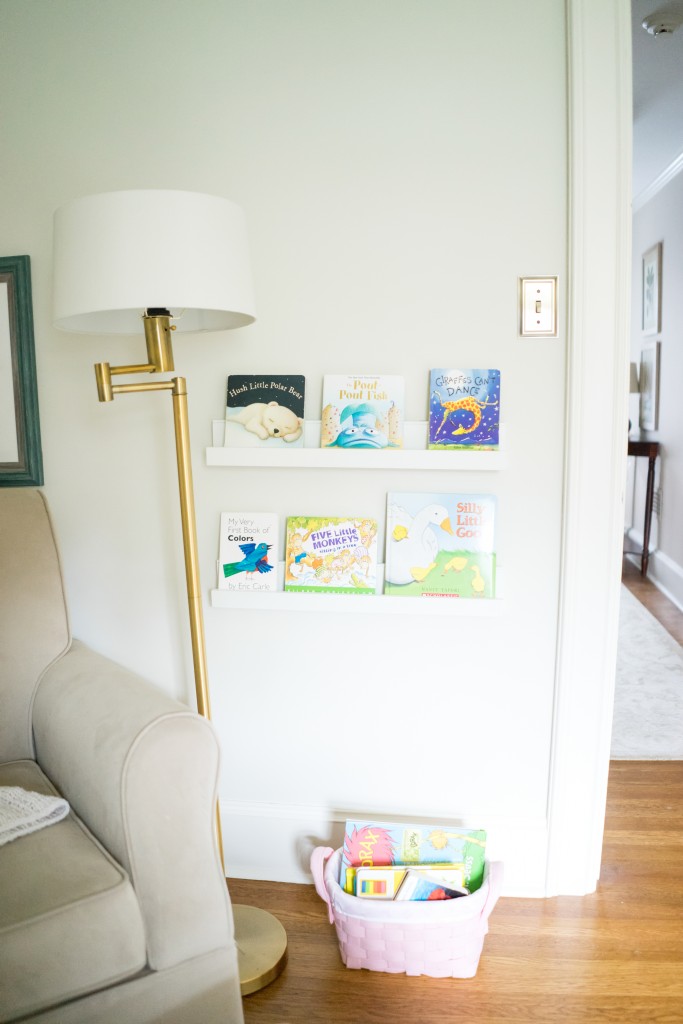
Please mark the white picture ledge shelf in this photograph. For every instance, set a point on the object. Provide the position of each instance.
(359, 604)
(414, 456)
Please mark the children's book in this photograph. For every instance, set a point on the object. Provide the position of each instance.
(362, 412)
(264, 411)
(417, 887)
(464, 409)
(368, 843)
(247, 551)
(336, 555)
(440, 545)
(383, 883)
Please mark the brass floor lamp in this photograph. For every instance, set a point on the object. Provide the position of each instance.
(168, 260)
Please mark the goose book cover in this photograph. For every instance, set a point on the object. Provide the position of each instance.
(464, 409)
(331, 554)
(265, 410)
(440, 545)
(362, 411)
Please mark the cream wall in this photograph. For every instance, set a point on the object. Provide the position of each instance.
(400, 166)
(659, 220)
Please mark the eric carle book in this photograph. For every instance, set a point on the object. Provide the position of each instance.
(440, 545)
(247, 551)
(362, 412)
(264, 410)
(464, 409)
(331, 554)
(370, 843)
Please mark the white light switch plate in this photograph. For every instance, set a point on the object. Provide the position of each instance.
(538, 307)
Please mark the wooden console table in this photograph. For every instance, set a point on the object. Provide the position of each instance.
(649, 450)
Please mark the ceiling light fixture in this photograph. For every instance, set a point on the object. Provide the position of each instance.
(663, 23)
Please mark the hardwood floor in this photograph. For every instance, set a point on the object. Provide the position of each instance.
(615, 956)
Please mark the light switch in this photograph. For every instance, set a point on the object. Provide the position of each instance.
(538, 307)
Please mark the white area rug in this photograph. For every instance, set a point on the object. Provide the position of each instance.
(648, 703)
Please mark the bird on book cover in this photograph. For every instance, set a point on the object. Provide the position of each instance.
(255, 560)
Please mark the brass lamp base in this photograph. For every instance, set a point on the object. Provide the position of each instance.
(261, 947)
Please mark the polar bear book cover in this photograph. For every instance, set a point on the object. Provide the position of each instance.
(265, 410)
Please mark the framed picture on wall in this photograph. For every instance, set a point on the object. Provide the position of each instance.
(21, 459)
(652, 290)
(649, 386)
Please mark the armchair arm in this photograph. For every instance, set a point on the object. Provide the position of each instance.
(140, 769)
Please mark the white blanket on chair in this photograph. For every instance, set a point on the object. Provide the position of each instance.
(22, 811)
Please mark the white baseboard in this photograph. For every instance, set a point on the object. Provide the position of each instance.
(274, 843)
(666, 574)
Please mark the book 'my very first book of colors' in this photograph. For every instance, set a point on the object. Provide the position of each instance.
(264, 411)
(362, 412)
(440, 545)
(372, 843)
(464, 409)
(247, 551)
(331, 554)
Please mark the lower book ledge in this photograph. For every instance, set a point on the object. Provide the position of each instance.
(371, 604)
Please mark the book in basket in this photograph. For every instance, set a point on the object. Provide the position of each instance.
(464, 409)
(369, 843)
(264, 410)
(333, 554)
(362, 411)
(247, 551)
(440, 545)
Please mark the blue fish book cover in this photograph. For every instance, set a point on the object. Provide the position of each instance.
(247, 551)
(362, 411)
(440, 545)
(370, 843)
(331, 554)
(464, 409)
(265, 411)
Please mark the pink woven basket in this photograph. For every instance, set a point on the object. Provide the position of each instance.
(443, 939)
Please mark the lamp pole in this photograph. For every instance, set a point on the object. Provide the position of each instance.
(260, 938)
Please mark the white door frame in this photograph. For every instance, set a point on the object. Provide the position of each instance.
(598, 306)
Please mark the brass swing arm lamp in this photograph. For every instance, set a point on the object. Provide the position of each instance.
(158, 327)
(186, 252)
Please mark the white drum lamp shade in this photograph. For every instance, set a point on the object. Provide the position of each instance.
(117, 254)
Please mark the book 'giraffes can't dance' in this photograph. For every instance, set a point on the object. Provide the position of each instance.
(464, 409)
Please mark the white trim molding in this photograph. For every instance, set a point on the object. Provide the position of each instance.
(667, 576)
(599, 77)
(275, 842)
(660, 182)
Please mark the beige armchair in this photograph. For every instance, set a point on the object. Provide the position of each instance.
(120, 911)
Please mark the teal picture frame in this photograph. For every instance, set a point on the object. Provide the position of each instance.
(21, 456)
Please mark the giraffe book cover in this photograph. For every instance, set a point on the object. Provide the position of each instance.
(362, 411)
(382, 843)
(464, 409)
(440, 545)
